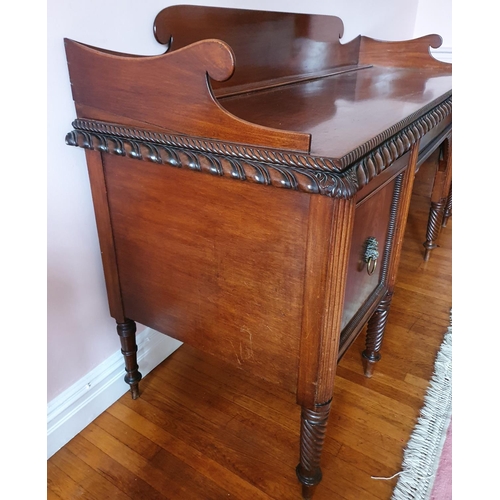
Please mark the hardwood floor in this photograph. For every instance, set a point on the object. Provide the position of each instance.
(202, 430)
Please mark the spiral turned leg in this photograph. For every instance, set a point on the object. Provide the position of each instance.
(126, 331)
(312, 438)
(447, 210)
(433, 226)
(375, 335)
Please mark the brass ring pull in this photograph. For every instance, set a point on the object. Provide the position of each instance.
(371, 255)
(371, 265)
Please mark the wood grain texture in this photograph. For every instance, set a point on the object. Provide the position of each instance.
(377, 323)
(244, 438)
(325, 272)
(176, 82)
(349, 113)
(448, 207)
(367, 161)
(189, 266)
(105, 233)
(372, 218)
(292, 42)
(408, 178)
(402, 54)
(442, 178)
(304, 81)
(440, 197)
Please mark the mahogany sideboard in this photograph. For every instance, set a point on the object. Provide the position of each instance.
(251, 187)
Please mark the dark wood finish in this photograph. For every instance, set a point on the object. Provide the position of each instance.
(126, 332)
(379, 105)
(402, 54)
(436, 214)
(165, 80)
(202, 247)
(373, 219)
(312, 438)
(377, 323)
(375, 334)
(447, 209)
(250, 34)
(440, 198)
(200, 417)
(191, 263)
(105, 234)
(324, 290)
(401, 215)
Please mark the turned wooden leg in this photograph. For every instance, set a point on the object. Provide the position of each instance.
(433, 226)
(440, 198)
(375, 335)
(447, 210)
(126, 331)
(312, 438)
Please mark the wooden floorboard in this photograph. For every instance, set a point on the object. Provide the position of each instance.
(202, 430)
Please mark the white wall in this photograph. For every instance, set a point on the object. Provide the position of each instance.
(81, 333)
(434, 16)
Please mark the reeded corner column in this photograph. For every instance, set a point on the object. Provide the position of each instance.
(312, 438)
(375, 335)
(328, 245)
(127, 331)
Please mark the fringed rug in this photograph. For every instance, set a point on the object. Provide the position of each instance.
(422, 459)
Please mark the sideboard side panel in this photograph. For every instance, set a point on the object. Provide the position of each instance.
(215, 263)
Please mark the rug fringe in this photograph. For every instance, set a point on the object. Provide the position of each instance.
(422, 453)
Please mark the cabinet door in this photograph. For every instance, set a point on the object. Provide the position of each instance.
(373, 223)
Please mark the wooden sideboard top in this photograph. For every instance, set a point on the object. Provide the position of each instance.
(272, 80)
(344, 111)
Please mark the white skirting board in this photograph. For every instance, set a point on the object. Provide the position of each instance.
(80, 404)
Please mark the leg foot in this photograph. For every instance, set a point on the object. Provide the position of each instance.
(307, 492)
(369, 364)
(375, 335)
(312, 438)
(126, 331)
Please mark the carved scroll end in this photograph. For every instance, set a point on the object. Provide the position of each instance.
(215, 56)
(414, 53)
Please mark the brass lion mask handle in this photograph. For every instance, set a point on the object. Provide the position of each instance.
(371, 254)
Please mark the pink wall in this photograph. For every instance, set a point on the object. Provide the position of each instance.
(81, 333)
